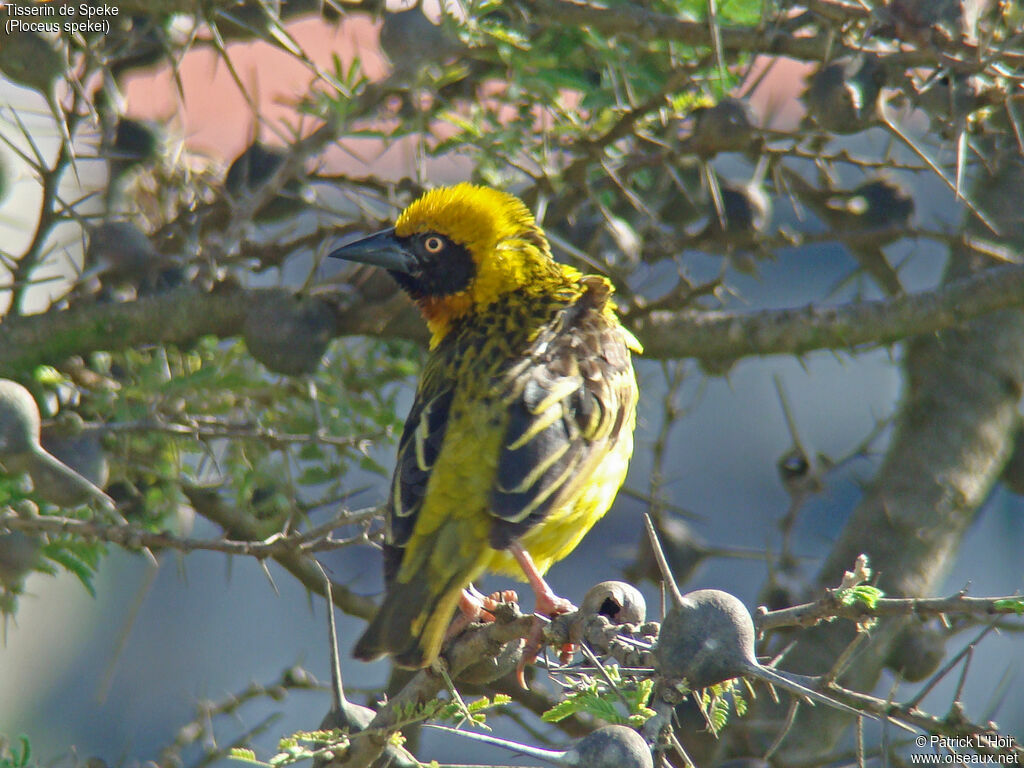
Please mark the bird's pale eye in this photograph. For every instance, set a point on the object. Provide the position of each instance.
(433, 244)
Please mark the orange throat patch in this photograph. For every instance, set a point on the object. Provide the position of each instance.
(441, 311)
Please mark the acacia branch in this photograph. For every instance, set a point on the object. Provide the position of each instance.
(467, 649)
(199, 428)
(240, 527)
(854, 326)
(830, 607)
(983, 739)
(955, 431)
(200, 729)
(176, 317)
(133, 537)
(645, 24)
(185, 314)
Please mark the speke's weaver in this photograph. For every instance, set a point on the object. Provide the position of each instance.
(522, 426)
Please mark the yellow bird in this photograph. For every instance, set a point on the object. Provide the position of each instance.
(522, 427)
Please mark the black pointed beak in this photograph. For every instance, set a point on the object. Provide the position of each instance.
(382, 249)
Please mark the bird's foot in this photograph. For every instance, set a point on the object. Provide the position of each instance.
(478, 607)
(547, 604)
(551, 605)
(566, 652)
(492, 601)
(475, 606)
(534, 645)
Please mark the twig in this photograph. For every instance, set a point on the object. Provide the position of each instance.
(731, 336)
(948, 667)
(241, 527)
(465, 650)
(292, 679)
(983, 738)
(179, 316)
(211, 429)
(829, 607)
(134, 537)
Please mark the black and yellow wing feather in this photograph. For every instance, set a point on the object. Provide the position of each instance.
(567, 404)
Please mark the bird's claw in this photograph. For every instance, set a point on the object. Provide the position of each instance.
(477, 607)
(534, 645)
(548, 605)
(490, 603)
(474, 606)
(565, 653)
(531, 650)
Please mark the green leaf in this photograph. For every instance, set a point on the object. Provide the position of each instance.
(740, 704)
(596, 698)
(77, 557)
(740, 11)
(638, 697)
(718, 713)
(15, 759)
(244, 755)
(718, 700)
(456, 711)
(863, 594)
(1010, 605)
(561, 710)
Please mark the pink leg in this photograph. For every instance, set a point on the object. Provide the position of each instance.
(547, 604)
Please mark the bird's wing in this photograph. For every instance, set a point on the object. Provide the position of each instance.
(567, 402)
(418, 450)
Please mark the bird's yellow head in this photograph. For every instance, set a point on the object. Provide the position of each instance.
(458, 249)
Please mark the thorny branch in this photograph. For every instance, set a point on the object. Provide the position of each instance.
(200, 730)
(731, 336)
(213, 429)
(184, 314)
(831, 607)
(984, 739)
(466, 650)
(134, 537)
(647, 24)
(241, 527)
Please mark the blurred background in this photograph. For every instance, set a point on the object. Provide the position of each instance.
(118, 674)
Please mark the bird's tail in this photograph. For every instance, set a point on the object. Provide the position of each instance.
(410, 624)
